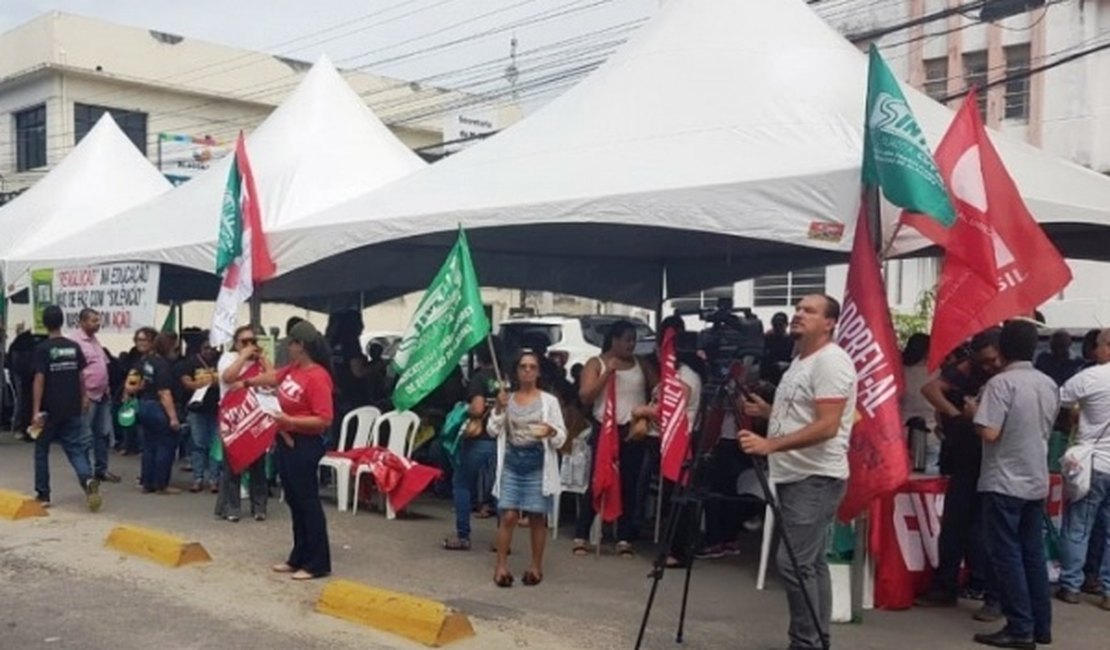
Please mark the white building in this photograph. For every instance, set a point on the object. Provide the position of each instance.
(1064, 110)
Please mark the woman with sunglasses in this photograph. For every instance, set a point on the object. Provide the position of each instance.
(528, 425)
(245, 360)
(157, 412)
(304, 390)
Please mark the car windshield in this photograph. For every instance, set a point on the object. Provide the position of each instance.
(594, 329)
(515, 336)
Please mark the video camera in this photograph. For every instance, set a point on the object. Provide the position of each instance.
(733, 342)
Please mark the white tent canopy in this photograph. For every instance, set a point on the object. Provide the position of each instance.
(322, 146)
(715, 145)
(103, 175)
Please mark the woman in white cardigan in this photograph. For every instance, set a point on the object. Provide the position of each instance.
(528, 425)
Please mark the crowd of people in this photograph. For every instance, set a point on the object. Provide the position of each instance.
(988, 414)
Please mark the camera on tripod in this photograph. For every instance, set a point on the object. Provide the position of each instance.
(732, 344)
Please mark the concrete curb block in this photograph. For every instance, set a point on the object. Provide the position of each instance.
(14, 505)
(156, 545)
(424, 621)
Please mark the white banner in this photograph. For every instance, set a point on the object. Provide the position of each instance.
(125, 294)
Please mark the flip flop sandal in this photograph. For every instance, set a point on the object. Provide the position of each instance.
(484, 513)
(580, 548)
(305, 575)
(531, 579)
(282, 568)
(456, 544)
(624, 549)
(505, 580)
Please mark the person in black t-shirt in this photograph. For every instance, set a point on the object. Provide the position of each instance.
(197, 374)
(59, 402)
(157, 411)
(954, 394)
(778, 350)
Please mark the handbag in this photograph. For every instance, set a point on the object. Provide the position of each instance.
(1076, 466)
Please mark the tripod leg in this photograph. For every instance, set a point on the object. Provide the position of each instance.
(692, 542)
(678, 500)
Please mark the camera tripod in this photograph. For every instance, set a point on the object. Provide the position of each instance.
(689, 491)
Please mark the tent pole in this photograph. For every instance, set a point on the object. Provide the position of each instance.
(663, 297)
(256, 311)
(4, 379)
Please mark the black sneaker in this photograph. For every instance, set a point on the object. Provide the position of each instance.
(1003, 639)
(44, 500)
(92, 494)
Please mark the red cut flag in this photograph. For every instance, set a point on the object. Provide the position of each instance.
(877, 455)
(987, 197)
(606, 484)
(673, 419)
(246, 429)
(969, 236)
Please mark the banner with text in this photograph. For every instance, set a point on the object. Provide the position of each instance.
(125, 294)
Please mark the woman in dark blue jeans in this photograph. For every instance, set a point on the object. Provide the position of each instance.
(157, 412)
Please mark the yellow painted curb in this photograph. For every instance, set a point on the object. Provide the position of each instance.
(14, 505)
(425, 621)
(156, 545)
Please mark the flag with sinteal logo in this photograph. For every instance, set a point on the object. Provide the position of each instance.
(896, 156)
(449, 321)
(897, 159)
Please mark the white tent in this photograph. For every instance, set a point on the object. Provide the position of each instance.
(320, 147)
(719, 144)
(103, 175)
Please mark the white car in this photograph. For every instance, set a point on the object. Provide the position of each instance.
(569, 340)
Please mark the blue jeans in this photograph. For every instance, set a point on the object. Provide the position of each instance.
(1080, 520)
(1015, 543)
(203, 428)
(71, 434)
(476, 456)
(98, 428)
(159, 446)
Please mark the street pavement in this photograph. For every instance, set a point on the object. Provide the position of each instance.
(61, 588)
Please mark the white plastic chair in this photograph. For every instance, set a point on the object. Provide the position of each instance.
(575, 490)
(403, 426)
(365, 418)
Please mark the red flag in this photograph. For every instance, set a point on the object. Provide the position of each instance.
(986, 197)
(969, 237)
(246, 429)
(877, 455)
(262, 265)
(673, 419)
(606, 484)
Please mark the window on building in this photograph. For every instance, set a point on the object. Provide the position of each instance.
(1017, 90)
(788, 288)
(30, 138)
(936, 78)
(975, 74)
(132, 123)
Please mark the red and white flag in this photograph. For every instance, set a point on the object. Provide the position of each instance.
(674, 421)
(606, 485)
(242, 255)
(877, 455)
(991, 209)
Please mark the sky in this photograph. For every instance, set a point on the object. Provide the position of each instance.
(406, 39)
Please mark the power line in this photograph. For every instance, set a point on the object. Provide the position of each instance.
(1025, 74)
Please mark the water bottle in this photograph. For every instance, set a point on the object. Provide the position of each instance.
(919, 443)
(35, 430)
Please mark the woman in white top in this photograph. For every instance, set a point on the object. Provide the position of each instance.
(243, 361)
(528, 425)
(634, 381)
(914, 405)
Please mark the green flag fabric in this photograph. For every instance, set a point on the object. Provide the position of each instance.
(169, 325)
(449, 321)
(229, 246)
(895, 154)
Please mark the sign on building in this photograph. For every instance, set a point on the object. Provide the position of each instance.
(181, 157)
(468, 127)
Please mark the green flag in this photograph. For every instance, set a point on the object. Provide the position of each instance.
(169, 326)
(229, 245)
(895, 154)
(449, 321)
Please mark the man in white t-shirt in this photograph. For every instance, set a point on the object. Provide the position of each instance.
(807, 449)
(1090, 391)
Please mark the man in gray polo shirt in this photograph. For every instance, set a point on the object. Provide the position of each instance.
(1014, 419)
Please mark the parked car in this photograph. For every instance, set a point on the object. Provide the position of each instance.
(388, 340)
(569, 339)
